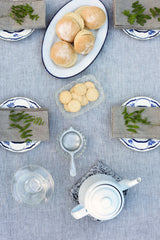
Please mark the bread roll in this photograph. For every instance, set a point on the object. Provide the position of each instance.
(79, 10)
(77, 18)
(67, 28)
(84, 42)
(63, 54)
(94, 17)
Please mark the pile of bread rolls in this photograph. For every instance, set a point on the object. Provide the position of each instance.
(73, 29)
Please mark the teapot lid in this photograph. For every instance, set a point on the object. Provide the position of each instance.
(104, 202)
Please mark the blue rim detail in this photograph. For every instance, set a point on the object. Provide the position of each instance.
(134, 99)
(25, 149)
(149, 146)
(28, 146)
(151, 33)
(16, 38)
(140, 149)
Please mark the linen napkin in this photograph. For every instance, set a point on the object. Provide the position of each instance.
(7, 23)
(152, 130)
(39, 132)
(121, 21)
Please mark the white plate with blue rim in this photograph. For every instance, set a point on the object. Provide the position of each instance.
(50, 38)
(16, 35)
(19, 102)
(137, 144)
(142, 34)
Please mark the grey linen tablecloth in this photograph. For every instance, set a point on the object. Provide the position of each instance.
(126, 68)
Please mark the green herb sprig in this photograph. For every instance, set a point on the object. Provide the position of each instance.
(19, 12)
(25, 119)
(134, 118)
(137, 14)
(155, 12)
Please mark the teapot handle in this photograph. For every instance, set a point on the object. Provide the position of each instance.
(79, 212)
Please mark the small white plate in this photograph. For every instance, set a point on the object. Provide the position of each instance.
(16, 35)
(142, 34)
(50, 38)
(136, 144)
(19, 102)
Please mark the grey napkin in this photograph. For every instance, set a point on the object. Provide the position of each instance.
(39, 132)
(7, 23)
(144, 131)
(121, 21)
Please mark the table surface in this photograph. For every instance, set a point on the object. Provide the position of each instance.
(125, 68)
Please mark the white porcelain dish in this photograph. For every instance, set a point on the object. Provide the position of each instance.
(142, 34)
(136, 144)
(16, 35)
(50, 38)
(19, 102)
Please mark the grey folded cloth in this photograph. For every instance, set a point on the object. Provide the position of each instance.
(121, 21)
(152, 130)
(39, 132)
(7, 23)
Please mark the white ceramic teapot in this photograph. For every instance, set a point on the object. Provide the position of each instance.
(101, 197)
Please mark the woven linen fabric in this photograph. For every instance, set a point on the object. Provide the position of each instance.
(126, 68)
(8, 132)
(7, 23)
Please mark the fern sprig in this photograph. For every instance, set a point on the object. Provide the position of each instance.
(26, 119)
(138, 16)
(19, 12)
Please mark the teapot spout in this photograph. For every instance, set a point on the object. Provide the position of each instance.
(125, 184)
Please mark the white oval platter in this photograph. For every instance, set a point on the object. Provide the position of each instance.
(50, 38)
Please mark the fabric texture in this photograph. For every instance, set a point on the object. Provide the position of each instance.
(7, 23)
(126, 68)
(38, 131)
